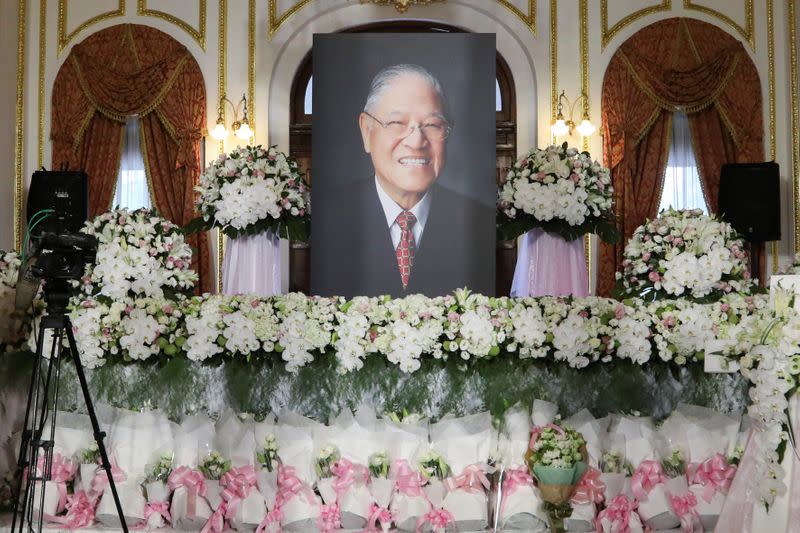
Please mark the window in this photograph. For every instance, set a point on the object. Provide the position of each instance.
(682, 188)
(498, 96)
(132, 191)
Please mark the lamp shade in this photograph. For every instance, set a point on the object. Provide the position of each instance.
(559, 128)
(219, 132)
(243, 131)
(586, 128)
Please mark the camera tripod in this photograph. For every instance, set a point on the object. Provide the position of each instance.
(38, 435)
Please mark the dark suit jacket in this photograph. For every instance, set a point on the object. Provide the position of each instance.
(352, 254)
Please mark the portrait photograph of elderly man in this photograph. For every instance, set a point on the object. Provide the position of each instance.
(403, 165)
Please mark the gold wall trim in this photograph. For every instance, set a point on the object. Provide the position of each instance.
(251, 66)
(42, 62)
(275, 21)
(198, 34)
(529, 20)
(221, 87)
(748, 32)
(64, 38)
(607, 34)
(771, 74)
(20, 125)
(553, 59)
(792, 18)
(584, 62)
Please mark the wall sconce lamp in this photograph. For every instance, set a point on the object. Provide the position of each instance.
(562, 127)
(240, 127)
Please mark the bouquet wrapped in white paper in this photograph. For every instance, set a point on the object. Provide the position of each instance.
(300, 507)
(711, 438)
(466, 444)
(614, 466)
(591, 489)
(521, 506)
(407, 440)
(190, 510)
(245, 507)
(619, 515)
(156, 512)
(268, 458)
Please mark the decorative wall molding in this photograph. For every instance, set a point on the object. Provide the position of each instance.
(41, 93)
(198, 34)
(607, 34)
(792, 18)
(275, 21)
(251, 65)
(748, 32)
(771, 78)
(64, 38)
(19, 127)
(553, 59)
(529, 20)
(222, 69)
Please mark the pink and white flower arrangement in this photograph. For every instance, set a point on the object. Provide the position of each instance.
(560, 190)
(253, 190)
(684, 254)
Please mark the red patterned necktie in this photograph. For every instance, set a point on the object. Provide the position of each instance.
(406, 246)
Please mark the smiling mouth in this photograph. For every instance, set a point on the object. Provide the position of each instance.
(414, 161)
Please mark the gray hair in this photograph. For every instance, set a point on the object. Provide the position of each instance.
(384, 79)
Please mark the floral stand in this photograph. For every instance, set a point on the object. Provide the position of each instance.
(547, 265)
(252, 265)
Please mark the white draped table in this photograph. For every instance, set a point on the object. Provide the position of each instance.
(547, 265)
(252, 265)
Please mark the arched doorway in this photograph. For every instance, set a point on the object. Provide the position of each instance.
(134, 70)
(684, 65)
(301, 116)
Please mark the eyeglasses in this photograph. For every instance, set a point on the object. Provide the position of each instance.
(434, 129)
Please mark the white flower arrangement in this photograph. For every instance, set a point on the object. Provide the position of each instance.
(139, 254)
(684, 254)
(253, 190)
(12, 326)
(559, 190)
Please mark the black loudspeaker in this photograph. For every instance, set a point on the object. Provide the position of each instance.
(749, 199)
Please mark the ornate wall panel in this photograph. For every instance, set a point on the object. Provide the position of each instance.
(276, 18)
(74, 16)
(793, 21)
(607, 33)
(744, 24)
(19, 127)
(197, 29)
(528, 18)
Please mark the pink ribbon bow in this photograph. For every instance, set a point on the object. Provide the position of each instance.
(329, 518)
(514, 478)
(590, 488)
(379, 514)
(407, 480)
(437, 518)
(80, 512)
(100, 481)
(347, 474)
(715, 474)
(237, 484)
(216, 522)
(618, 512)
(647, 476)
(158, 508)
(61, 471)
(275, 516)
(470, 480)
(537, 431)
(684, 507)
(195, 485)
(289, 485)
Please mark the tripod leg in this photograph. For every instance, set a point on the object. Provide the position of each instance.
(98, 435)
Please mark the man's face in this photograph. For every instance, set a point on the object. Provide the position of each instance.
(405, 166)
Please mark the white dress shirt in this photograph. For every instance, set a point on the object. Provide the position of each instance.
(391, 210)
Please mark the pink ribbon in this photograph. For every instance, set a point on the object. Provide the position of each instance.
(289, 485)
(647, 476)
(237, 484)
(61, 471)
(329, 518)
(100, 481)
(470, 480)
(216, 522)
(275, 516)
(80, 512)
(684, 507)
(514, 478)
(590, 488)
(379, 514)
(407, 480)
(618, 512)
(159, 508)
(715, 474)
(195, 485)
(437, 518)
(537, 431)
(347, 474)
